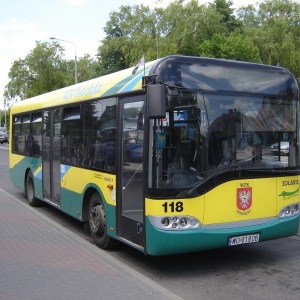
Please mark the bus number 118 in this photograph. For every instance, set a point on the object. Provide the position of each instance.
(173, 206)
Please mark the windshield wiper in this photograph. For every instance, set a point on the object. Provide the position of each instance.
(173, 84)
(191, 192)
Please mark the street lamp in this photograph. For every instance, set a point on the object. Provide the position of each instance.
(53, 38)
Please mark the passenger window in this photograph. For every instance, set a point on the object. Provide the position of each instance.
(99, 131)
(71, 138)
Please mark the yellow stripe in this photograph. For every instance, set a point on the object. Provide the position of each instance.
(77, 179)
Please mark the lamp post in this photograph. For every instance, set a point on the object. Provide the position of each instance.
(53, 38)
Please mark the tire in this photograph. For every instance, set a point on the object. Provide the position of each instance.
(97, 223)
(32, 200)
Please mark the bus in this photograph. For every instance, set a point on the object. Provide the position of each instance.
(175, 158)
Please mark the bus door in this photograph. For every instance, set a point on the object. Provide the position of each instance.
(51, 156)
(131, 210)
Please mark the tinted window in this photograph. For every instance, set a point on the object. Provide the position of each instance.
(210, 74)
(71, 139)
(99, 127)
(21, 134)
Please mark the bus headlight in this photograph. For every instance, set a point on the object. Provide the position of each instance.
(183, 222)
(165, 222)
(175, 223)
(289, 211)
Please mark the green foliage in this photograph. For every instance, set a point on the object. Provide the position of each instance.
(274, 29)
(87, 68)
(2, 119)
(226, 12)
(112, 55)
(130, 34)
(183, 27)
(235, 46)
(42, 70)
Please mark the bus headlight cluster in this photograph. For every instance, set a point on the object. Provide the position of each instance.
(175, 223)
(289, 211)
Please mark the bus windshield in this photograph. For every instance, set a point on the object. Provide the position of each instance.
(209, 137)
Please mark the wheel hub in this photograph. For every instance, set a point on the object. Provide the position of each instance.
(96, 224)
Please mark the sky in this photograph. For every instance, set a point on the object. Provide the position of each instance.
(23, 22)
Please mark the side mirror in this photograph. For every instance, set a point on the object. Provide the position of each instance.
(156, 99)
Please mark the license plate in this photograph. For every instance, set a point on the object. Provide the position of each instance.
(243, 239)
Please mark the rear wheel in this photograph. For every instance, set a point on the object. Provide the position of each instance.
(30, 194)
(97, 223)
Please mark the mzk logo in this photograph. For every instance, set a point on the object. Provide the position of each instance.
(244, 200)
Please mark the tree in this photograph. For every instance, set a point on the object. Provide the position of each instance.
(87, 68)
(274, 29)
(178, 29)
(4, 116)
(225, 10)
(112, 55)
(138, 30)
(42, 70)
(185, 26)
(235, 46)
(131, 33)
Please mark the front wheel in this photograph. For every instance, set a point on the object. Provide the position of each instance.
(97, 223)
(30, 194)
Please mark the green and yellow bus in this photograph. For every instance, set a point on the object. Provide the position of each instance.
(187, 154)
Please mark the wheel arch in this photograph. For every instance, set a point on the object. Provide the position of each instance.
(86, 200)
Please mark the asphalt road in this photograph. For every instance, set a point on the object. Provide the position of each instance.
(268, 270)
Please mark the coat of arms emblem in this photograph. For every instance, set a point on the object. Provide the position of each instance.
(244, 198)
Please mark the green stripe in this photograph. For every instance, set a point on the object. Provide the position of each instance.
(117, 87)
(159, 242)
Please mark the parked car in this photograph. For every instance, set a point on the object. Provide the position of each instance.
(3, 137)
(284, 148)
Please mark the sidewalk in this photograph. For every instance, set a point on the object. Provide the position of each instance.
(39, 259)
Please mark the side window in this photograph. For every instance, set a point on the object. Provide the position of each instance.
(71, 139)
(25, 136)
(21, 134)
(99, 128)
(16, 133)
(133, 139)
(36, 135)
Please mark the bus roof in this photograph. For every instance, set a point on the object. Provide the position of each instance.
(111, 84)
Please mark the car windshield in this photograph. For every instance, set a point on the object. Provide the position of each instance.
(210, 138)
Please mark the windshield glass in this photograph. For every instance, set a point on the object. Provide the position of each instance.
(224, 75)
(208, 138)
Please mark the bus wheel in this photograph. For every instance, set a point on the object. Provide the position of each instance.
(32, 200)
(97, 223)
